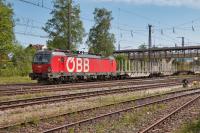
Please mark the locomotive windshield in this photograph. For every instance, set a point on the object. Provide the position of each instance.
(42, 58)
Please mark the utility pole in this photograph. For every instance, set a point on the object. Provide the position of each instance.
(150, 40)
(182, 40)
(119, 46)
(42, 3)
(69, 24)
(150, 45)
(183, 44)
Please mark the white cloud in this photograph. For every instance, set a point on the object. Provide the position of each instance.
(188, 3)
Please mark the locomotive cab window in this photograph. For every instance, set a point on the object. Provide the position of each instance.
(42, 58)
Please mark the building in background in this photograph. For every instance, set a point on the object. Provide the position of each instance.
(38, 46)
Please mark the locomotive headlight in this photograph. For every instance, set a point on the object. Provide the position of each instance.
(49, 69)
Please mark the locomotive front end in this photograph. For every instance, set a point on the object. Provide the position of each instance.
(41, 65)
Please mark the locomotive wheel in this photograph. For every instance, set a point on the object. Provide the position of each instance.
(43, 82)
(39, 81)
(56, 81)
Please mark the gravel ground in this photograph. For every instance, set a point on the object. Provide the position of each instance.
(135, 121)
(28, 113)
(70, 91)
(41, 125)
(185, 116)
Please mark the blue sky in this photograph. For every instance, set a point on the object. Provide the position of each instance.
(131, 18)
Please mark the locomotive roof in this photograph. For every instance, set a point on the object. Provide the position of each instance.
(75, 55)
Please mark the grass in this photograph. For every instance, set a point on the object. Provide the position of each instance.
(44, 111)
(192, 127)
(15, 80)
(24, 96)
(32, 113)
(40, 94)
(125, 121)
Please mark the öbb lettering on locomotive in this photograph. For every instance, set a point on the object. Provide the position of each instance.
(77, 64)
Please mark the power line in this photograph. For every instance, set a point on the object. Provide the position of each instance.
(189, 22)
(161, 29)
(180, 25)
(29, 34)
(41, 36)
(114, 26)
(36, 4)
(27, 25)
(41, 5)
(165, 38)
(131, 31)
(141, 16)
(82, 17)
(23, 19)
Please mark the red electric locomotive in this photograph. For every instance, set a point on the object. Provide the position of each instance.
(64, 66)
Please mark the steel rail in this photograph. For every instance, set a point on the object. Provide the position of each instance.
(23, 88)
(109, 105)
(59, 98)
(28, 86)
(76, 87)
(67, 126)
(169, 115)
(83, 87)
(82, 83)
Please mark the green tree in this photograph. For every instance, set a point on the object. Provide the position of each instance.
(20, 64)
(6, 28)
(142, 46)
(100, 41)
(57, 26)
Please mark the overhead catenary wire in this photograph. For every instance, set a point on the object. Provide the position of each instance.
(132, 30)
(150, 19)
(84, 18)
(30, 34)
(28, 25)
(122, 10)
(36, 4)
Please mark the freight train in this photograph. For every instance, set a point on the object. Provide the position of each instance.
(65, 66)
(60, 66)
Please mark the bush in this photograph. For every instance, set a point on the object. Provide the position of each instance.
(20, 64)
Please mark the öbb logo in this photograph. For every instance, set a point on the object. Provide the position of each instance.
(77, 64)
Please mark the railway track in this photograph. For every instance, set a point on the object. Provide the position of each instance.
(18, 91)
(33, 85)
(173, 95)
(64, 128)
(20, 84)
(60, 98)
(170, 115)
